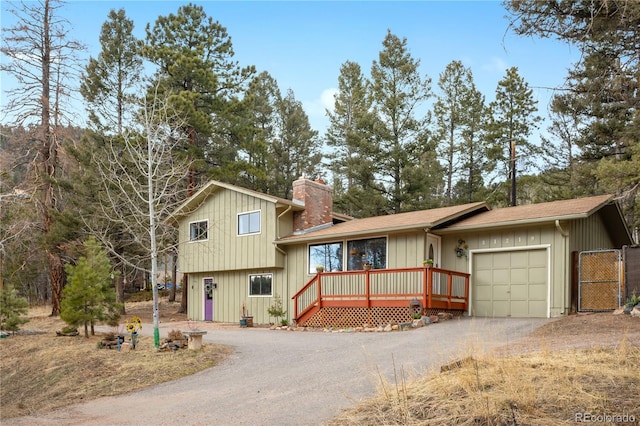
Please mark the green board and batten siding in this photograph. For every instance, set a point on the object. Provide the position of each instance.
(225, 250)
(510, 267)
(512, 271)
(231, 258)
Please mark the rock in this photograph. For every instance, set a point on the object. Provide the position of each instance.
(417, 323)
(434, 319)
(395, 327)
(388, 327)
(445, 316)
(426, 320)
(619, 311)
(628, 309)
(635, 312)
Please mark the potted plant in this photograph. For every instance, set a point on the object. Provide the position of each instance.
(366, 265)
(319, 268)
(427, 262)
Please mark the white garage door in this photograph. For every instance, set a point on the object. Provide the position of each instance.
(510, 284)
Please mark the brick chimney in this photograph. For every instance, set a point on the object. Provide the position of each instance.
(318, 203)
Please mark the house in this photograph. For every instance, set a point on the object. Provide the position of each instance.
(241, 249)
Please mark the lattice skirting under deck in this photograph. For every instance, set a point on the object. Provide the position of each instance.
(358, 317)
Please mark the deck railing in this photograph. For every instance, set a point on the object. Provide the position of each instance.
(433, 287)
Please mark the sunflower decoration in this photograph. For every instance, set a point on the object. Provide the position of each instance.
(134, 325)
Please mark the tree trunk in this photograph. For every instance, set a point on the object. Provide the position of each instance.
(185, 291)
(174, 276)
(120, 289)
(56, 275)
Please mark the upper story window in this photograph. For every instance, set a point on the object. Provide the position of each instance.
(199, 231)
(249, 223)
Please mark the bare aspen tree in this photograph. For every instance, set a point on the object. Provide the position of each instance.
(143, 183)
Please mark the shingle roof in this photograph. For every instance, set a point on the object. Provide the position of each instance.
(388, 223)
(543, 212)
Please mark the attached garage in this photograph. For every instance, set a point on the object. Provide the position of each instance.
(510, 283)
(520, 258)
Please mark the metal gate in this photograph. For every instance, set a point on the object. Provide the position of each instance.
(600, 284)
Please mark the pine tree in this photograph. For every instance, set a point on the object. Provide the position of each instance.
(513, 121)
(43, 58)
(451, 109)
(196, 71)
(295, 149)
(109, 82)
(601, 90)
(88, 297)
(350, 135)
(12, 309)
(398, 92)
(475, 151)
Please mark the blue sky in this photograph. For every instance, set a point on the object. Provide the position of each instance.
(303, 44)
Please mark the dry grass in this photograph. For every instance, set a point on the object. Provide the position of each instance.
(534, 388)
(41, 372)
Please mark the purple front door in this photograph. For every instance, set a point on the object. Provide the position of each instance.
(208, 299)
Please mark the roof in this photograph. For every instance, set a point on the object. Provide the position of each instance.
(423, 219)
(196, 200)
(550, 212)
(531, 213)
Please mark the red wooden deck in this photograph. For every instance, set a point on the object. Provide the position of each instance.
(394, 289)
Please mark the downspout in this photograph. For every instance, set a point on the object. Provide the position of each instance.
(564, 234)
(284, 253)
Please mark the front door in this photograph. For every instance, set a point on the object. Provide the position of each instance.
(433, 249)
(208, 299)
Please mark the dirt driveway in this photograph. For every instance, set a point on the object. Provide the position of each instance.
(290, 378)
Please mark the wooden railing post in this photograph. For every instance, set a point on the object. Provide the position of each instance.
(429, 286)
(319, 292)
(367, 283)
(449, 289)
(466, 292)
(424, 288)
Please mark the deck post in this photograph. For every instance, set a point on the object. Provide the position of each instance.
(367, 284)
(449, 288)
(424, 288)
(466, 293)
(429, 286)
(319, 291)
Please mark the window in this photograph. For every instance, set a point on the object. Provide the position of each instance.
(373, 250)
(260, 285)
(249, 223)
(328, 255)
(198, 231)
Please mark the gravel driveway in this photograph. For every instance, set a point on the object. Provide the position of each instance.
(290, 378)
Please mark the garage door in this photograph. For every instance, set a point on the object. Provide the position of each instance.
(510, 284)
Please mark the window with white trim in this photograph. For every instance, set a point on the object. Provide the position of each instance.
(199, 231)
(261, 285)
(249, 223)
(327, 255)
